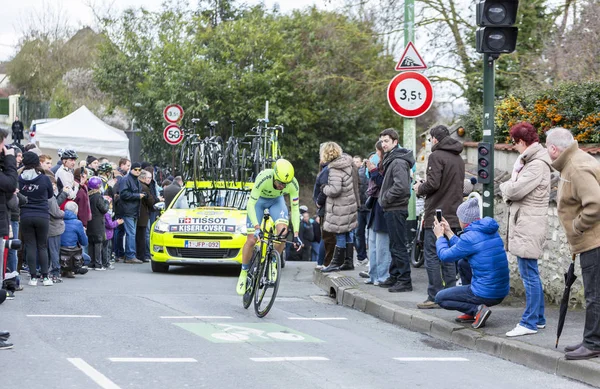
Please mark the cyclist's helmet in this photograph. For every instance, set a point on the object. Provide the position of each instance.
(94, 183)
(283, 171)
(105, 167)
(60, 152)
(69, 154)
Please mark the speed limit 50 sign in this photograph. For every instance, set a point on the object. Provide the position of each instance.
(173, 134)
(410, 94)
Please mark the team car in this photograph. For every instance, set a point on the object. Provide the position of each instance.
(205, 224)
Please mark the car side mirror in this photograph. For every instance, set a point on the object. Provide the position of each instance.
(160, 206)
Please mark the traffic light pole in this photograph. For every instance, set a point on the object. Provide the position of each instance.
(489, 92)
(409, 137)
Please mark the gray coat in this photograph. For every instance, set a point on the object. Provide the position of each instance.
(57, 224)
(342, 194)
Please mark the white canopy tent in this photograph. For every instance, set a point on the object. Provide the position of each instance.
(85, 133)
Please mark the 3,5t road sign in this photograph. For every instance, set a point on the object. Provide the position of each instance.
(173, 113)
(410, 94)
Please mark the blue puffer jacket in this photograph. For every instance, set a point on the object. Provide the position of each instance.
(481, 244)
(74, 233)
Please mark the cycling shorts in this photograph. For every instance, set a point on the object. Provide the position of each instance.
(277, 209)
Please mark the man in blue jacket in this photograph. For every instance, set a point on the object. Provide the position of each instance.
(482, 246)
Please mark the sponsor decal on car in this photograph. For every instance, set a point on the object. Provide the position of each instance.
(202, 220)
(201, 228)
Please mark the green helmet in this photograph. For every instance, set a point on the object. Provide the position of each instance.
(283, 171)
(105, 167)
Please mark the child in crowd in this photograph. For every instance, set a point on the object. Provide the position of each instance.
(109, 225)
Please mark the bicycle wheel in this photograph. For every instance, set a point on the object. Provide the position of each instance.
(267, 284)
(184, 161)
(417, 256)
(243, 166)
(252, 275)
(196, 168)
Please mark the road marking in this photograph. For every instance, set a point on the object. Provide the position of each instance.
(84, 316)
(154, 360)
(317, 318)
(425, 359)
(94, 374)
(289, 359)
(196, 317)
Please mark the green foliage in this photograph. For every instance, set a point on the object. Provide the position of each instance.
(323, 74)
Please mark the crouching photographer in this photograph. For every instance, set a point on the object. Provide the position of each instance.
(8, 185)
(71, 243)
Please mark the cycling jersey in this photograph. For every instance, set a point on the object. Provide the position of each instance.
(263, 188)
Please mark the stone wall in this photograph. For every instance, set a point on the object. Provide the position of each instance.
(553, 264)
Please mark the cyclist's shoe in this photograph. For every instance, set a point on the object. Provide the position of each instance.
(241, 284)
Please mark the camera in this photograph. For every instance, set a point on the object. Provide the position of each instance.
(12, 244)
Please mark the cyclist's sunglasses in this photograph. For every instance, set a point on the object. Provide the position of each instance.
(279, 183)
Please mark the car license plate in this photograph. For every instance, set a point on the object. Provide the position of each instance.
(202, 245)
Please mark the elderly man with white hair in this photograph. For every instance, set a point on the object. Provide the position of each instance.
(579, 212)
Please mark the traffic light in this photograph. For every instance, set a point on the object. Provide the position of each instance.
(484, 163)
(495, 18)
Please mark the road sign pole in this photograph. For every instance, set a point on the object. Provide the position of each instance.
(489, 93)
(410, 125)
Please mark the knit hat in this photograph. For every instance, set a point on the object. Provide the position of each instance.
(439, 132)
(469, 185)
(30, 159)
(146, 164)
(136, 165)
(90, 159)
(468, 211)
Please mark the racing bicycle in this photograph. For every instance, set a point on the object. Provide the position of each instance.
(263, 275)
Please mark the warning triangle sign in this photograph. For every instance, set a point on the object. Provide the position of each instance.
(411, 60)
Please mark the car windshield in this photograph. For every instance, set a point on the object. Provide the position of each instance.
(193, 198)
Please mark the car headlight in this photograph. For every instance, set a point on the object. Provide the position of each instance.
(161, 227)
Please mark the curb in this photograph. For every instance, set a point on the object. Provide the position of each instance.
(344, 290)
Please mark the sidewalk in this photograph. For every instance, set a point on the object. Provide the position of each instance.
(534, 351)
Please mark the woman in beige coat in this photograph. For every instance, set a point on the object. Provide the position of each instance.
(527, 194)
(341, 206)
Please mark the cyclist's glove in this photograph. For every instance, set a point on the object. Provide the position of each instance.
(297, 241)
(258, 233)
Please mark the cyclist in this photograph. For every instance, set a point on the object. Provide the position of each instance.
(269, 188)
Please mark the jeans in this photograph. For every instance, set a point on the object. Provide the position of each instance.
(359, 235)
(379, 256)
(464, 269)
(118, 241)
(440, 275)
(461, 298)
(54, 253)
(12, 260)
(341, 240)
(590, 272)
(400, 264)
(321, 257)
(130, 226)
(315, 251)
(534, 294)
(35, 236)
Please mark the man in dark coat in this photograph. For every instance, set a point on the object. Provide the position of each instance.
(363, 212)
(17, 130)
(130, 197)
(172, 190)
(146, 207)
(442, 189)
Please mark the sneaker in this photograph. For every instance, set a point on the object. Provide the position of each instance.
(133, 260)
(120, 259)
(56, 279)
(541, 326)
(368, 282)
(32, 282)
(100, 268)
(241, 284)
(19, 288)
(47, 282)
(376, 283)
(520, 330)
(363, 274)
(465, 319)
(482, 315)
(10, 295)
(5, 345)
(319, 267)
(111, 267)
(428, 304)
(363, 262)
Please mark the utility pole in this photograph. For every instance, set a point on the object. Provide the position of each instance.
(489, 94)
(410, 125)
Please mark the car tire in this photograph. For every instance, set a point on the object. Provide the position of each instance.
(159, 267)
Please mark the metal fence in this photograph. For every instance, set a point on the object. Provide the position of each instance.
(31, 110)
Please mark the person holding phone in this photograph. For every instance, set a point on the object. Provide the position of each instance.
(130, 197)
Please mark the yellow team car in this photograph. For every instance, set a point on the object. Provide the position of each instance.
(205, 224)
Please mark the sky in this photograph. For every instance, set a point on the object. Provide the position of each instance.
(78, 13)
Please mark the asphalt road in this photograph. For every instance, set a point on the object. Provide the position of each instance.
(192, 325)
